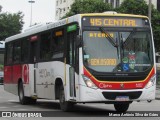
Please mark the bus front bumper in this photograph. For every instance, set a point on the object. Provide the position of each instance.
(94, 95)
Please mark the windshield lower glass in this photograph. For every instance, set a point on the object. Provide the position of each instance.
(132, 51)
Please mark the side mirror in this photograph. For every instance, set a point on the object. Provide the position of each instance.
(79, 41)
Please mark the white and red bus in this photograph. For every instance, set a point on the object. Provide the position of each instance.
(86, 58)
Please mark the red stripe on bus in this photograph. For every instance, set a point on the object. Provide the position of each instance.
(119, 85)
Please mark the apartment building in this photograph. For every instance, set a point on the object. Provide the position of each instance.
(63, 6)
(114, 3)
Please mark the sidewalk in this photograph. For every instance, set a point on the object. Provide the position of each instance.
(158, 92)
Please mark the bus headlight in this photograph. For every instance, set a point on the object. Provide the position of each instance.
(151, 82)
(88, 82)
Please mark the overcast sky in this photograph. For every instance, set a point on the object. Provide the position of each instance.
(42, 10)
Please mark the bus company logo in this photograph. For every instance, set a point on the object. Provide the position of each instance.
(25, 73)
(121, 85)
(103, 85)
(139, 85)
(44, 73)
(21, 114)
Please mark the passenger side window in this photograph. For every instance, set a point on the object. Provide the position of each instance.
(9, 53)
(58, 44)
(25, 50)
(45, 47)
(17, 52)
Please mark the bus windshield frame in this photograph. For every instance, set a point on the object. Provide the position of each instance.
(120, 64)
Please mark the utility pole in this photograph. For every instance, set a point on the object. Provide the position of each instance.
(149, 9)
(31, 1)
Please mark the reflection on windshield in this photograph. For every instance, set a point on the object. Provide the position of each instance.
(134, 53)
(109, 37)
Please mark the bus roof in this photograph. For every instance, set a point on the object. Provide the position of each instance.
(47, 26)
(108, 13)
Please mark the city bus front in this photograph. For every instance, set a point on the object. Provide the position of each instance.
(118, 59)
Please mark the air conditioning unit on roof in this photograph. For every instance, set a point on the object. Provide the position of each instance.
(110, 12)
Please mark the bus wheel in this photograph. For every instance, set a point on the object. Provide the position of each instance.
(121, 107)
(23, 100)
(64, 105)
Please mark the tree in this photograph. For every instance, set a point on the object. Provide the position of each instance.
(156, 28)
(88, 6)
(140, 7)
(10, 24)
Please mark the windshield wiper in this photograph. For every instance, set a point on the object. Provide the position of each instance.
(108, 36)
(110, 39)
(130, 35)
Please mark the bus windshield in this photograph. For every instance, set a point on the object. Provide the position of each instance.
(132, 53)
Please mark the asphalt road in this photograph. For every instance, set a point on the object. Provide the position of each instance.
(10, 102)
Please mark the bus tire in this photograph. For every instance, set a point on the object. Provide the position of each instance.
(121, 107)
(64, 105)
(22, 99)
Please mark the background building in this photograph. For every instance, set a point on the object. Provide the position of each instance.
(114, 3)
(154, 2)
(63, 6)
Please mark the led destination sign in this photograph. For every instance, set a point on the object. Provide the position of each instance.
(115, 21)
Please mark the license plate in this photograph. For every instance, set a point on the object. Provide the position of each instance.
(122, 98)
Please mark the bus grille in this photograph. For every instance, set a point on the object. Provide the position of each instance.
(113, 95)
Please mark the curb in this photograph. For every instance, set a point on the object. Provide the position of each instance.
(157, 93)
(157, 98)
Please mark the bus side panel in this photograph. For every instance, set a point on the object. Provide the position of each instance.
(17, 73)
(28, 79)
(8, 75)
(46, 73)
(11, 77)
(8, 80)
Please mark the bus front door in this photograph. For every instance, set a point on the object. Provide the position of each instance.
(71, 60)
